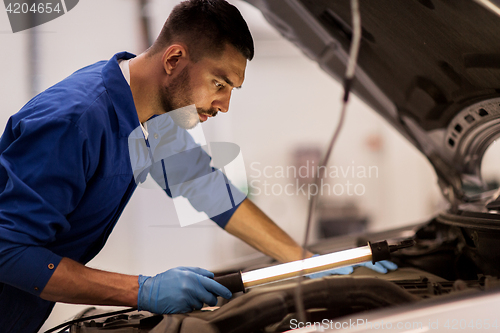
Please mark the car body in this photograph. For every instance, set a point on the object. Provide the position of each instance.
(431, 68)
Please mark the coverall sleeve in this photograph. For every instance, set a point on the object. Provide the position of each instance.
(42, 178)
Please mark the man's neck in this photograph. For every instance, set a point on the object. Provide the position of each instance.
(143, 84)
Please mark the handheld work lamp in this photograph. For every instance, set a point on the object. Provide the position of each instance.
(372, 252)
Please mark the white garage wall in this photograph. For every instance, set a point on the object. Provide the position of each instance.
(286, 102)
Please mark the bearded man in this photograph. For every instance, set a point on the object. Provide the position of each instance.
(72, 157)
(66, 172)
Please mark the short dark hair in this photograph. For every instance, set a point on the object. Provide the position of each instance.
(205, 26)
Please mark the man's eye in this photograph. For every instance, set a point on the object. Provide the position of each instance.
(219, 85)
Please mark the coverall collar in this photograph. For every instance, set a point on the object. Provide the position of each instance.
(120, 94)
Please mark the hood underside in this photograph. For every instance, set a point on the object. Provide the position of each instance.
(431, 68)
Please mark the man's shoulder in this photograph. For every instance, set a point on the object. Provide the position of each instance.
(79, 91)
(72, 98)
(95, 98)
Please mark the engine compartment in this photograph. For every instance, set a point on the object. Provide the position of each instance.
(445, 262)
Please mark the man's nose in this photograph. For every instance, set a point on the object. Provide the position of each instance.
(222, 104)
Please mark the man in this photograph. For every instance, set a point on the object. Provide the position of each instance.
(66, 176)
(66, 172)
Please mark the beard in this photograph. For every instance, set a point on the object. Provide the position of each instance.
(185, 117)
(177, 100)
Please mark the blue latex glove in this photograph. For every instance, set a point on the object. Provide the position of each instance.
(179, 290)
(382, 266)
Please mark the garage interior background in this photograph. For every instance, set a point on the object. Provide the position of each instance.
(287, 105)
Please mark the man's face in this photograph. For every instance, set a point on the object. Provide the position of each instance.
(207, 84)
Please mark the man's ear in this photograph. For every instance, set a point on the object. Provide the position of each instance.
(173, 57)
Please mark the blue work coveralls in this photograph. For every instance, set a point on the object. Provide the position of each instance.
(65, 178)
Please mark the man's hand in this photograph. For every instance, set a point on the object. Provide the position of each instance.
(381, 267)
(179, 290)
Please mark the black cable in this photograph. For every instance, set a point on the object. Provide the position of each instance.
(64, 329)
(65, 325)
(348, 78)
(312, 203)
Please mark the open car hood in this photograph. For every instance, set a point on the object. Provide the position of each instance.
(431, 68)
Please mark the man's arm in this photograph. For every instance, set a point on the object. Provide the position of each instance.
(72, 282)
(251, 225)
(255, 228)
(177, 290)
